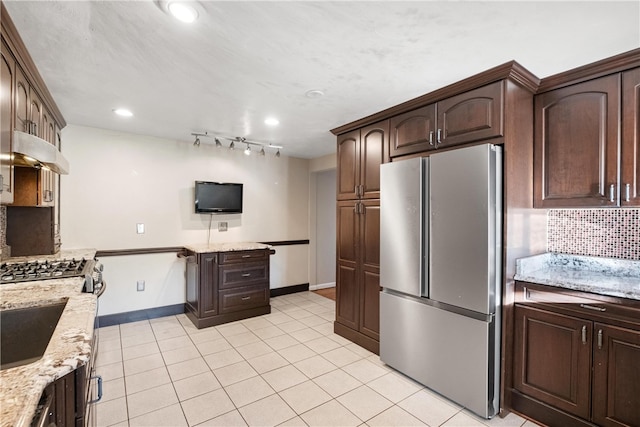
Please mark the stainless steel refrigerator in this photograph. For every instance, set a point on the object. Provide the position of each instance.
(440, 269)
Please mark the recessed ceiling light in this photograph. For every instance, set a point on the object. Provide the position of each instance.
(183, 12)
(272, 121)
(315, 93)
(123, 112)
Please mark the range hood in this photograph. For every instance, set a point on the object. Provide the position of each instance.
(31, 151)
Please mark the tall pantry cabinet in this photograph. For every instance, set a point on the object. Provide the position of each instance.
(360, 154)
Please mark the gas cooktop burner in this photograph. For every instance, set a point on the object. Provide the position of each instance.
(41, 270)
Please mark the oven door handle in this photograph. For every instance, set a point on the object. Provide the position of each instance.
(102, 289)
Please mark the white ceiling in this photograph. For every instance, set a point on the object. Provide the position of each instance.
(245, 60)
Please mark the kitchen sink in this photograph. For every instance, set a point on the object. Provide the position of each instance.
(25, 333)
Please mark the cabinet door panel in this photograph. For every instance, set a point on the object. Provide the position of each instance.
(374, 143)
(552, 362)
(7, 77)
(369, 239)
(410, 132)
(370, 303)
(348, 172)
(576, 145)
(616, 376)
(347, 295)
(346, 229)
(471, 116)
(208, 285)
(22, 102)
(630, 147)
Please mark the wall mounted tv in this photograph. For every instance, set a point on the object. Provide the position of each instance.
(218, 197)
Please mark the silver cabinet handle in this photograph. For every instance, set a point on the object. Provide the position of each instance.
(246, 275)
(593, 307)
(612, 193)
(600, 339)
(584, 335)
(99, 378)
(246, 298)
(439, 137)
(431, 138)
(627, 192)
(246, 256)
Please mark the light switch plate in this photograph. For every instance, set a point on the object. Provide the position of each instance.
(222, 226)
(140, 228)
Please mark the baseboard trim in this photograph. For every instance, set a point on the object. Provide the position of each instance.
(322, 286)
(137, 315)
(286, 290)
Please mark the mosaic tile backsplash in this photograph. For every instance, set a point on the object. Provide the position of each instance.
(612, 233)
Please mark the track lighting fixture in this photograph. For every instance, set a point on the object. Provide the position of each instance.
(198, 135)
(237, 139)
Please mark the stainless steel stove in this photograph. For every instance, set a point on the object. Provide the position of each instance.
(41, 270)
(18, 272)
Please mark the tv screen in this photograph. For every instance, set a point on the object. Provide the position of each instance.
(218, 197)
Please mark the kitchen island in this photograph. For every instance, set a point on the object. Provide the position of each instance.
(70, 346)
(227, 282)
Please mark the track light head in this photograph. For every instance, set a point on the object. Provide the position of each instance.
(218, 143)
(232, 145)
(262, 153)
(196, 142)
(278, 153)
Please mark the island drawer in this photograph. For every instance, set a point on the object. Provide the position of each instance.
(243, 298)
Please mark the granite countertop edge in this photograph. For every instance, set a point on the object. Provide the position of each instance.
(69, 348)
(598, 275)
(226, 247)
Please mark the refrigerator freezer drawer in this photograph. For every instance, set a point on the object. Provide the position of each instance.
(451, 354)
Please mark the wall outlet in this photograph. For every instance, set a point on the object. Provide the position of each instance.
(140, 228)
(222, 226)
(140, 286)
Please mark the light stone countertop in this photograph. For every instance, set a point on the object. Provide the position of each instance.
(604, 276)
(69, 347)
(226, 247)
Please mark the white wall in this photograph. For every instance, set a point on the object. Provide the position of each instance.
(325, 244)
(118, 180)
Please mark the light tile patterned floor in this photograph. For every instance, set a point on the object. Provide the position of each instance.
(286, 368)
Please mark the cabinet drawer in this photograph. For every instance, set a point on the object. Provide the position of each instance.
(588, 306)
(243, 256)
(244, 298)
(235, 275)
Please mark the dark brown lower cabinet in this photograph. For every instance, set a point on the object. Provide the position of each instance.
(227, 286)
(554, 359)
(616, 376)
(576, 358)
(358, 273)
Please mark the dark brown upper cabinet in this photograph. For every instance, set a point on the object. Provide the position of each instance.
(360, 154)
(587, 143)
(470, 116)
(630, 147)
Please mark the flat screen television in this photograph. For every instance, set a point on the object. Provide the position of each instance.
(218, 197)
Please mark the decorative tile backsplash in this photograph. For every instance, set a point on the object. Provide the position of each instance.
(613, 233)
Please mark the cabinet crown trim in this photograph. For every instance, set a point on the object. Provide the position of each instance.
(509, 70)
